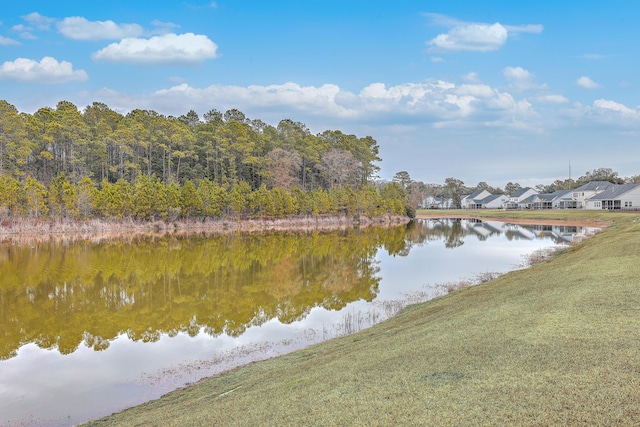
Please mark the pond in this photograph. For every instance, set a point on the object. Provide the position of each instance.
(90, 327)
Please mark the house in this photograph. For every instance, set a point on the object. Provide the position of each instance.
(437, 202)
(494, 201)
(616, 196)
(474, 200)
(515, 200)
(544, 201)
(576, 198)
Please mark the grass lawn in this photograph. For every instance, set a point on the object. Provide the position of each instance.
(555, 344)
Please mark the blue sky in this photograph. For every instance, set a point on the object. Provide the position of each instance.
(491, 91)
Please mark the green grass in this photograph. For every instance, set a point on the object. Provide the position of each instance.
(555, 344)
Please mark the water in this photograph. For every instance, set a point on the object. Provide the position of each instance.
(92, 327)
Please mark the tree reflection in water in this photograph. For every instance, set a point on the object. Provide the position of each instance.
(61, 294)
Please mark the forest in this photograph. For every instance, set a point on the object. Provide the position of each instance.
(97, 163)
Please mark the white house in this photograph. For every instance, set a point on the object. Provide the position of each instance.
(437, 202)
(514, 200)
(577, 198)
(494, 201)
(616, 196)
(474, 200)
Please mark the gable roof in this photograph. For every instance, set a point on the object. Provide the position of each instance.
(616, 190)
(491, 198)
(476, 193)
(594, 186)
(549, 197)
(521, 191)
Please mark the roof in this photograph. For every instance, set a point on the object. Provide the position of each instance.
(476, 193)
(491, 198)
(549, 197)
(521, 191)
(616, 190)
(594, 186)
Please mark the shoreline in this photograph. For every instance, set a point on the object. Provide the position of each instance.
(38, 230)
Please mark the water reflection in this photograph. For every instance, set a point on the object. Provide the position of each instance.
(58, 295)
(92, 327)
(454, 231)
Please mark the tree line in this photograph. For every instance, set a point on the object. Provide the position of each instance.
(63, 162)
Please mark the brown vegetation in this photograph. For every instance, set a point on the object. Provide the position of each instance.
(25, 230)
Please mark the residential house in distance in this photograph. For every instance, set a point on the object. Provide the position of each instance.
(494, 201)
(546, 200)
(437, 202)
(621, 196)
(593, 195)
(576, 198)
(517, 199)
(474, 200)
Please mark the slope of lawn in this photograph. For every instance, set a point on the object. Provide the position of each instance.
(555, 344)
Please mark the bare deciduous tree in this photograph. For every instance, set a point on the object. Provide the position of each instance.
(283, 168)
(339, 167)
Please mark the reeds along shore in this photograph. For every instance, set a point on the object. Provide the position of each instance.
(29, 229)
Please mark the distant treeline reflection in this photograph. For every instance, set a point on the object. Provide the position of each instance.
(60, 294)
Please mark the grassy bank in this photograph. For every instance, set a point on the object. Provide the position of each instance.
(556, 344)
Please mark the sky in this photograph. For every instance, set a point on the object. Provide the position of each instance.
(495, 91)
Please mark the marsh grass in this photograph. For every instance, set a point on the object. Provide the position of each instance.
(554, 344)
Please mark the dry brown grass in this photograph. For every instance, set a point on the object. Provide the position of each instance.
(554, 344)
(26, 231)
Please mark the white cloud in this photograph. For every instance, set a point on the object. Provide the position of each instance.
(472, 36)
(444, 20)
(612, 106)
(7, 41)
(164, 27)
(436, 59)
(432, 103)
(530, 28)
(28, 35)
(587, 83)
(472, 77)
(517, 74)
(166, 49)
(79, 28)
(25, 32)
(48, 70)
(552, 99)
(38, 21)
(520, 79)
(476, 90)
